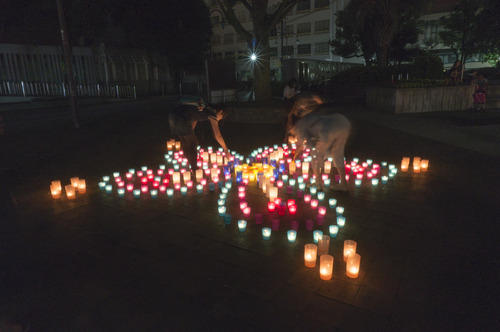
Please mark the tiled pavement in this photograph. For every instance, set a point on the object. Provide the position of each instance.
(428, 241)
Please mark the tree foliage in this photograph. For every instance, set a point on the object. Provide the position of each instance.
(264, 19)
(472, 27)
(377, 30)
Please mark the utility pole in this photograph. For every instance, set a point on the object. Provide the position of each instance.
(69, 63)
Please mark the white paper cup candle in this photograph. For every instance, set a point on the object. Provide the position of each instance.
(349, 248)
(352, 266)
(310, 255)
(325, 267)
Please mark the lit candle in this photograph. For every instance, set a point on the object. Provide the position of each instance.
(307, 198)
(316, 235)
(273, 193)
(121, 192)
(176, 177)
(108, 188)
(75, 181)
(325, 267)
(384, 179)
(242, 225)
(221, 202)
(170, 192)
(154, 193)
(321, 196)
(341, 221)
(199, 188)
(54, 191)
(243, 205)
(322, 210)
(349, 248)
(57, 185)
(314, 203)
(292, 209)
(266, 233)
(246, 211)
(291, 235)
(334, 230)
(137, 193)
(313, 190)
(323, 245)
(327, 166)
(271, 206)
(310, 253)
(374, 182)
(357, 182)
(332, 202)
(352, 267)
(305, 167)
(339, 210)
(82, 187)
(424, 165)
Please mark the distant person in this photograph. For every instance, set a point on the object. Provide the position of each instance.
(316, 125)
(183, 119)
(455, 72)
(480, 92)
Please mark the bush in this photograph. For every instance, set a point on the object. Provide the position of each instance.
(427, 66)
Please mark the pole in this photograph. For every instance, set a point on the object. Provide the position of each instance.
(69, 63)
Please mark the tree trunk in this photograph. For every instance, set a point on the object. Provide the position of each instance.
(262, 71)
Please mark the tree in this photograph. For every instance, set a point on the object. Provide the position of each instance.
(460, 29)
(367, 28)
(264, 20)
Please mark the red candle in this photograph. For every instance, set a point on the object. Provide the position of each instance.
(165, 181)
(279, 184)
(130, 187)
(271, 206)
(290, 202)
(163, 188)
(241, 194)
(243, 205)
(177, 186)
(203, 182)
(144, 189)
(292, 209)
(156, 184)
(246, 211)
(144, 180)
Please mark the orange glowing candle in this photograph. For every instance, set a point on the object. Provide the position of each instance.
(310, 253)
(352, 267)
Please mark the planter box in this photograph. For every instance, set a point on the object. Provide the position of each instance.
(418, 100)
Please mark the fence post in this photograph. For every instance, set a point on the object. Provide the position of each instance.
(135, 93)
(117, 92)
(22, 86)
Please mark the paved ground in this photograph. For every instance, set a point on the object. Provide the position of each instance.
(428, 241)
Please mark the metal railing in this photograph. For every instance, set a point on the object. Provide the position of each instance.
(42, 89)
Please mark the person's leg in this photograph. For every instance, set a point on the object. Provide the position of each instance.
(189, 144)
(338, 157)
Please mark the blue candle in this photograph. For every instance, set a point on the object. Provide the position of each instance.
(242, 225)
(313, 190)
(266, 233)
(384, 179)
(154, 193)
(211, 186)
(321, 196)
(374, 182)
(170, 192)
(102, 185)
(292, 182)
(116, 174)
(184, 191)
(199, 188)
(291, 235)
(121, 192)
(326, 182)
(341, 221)
(334, 230)
(228, 185)
(131, 170)
(108, 188)
(357, 182)
(227, 219)
(105, 178)
(222, 210)
(137, 193)
(302, 186)
(332, 202)
(316, 235)
(339, 210)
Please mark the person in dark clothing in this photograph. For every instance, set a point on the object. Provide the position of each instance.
(183, 120)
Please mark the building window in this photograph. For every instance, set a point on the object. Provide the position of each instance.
(304, 49)
(273, 51)
(321, 3)
(321, 48)
(287, 51)
(228, 38)
(431, 31)
(229, 55)
(304, 27)
(322, 26)
(304, 5)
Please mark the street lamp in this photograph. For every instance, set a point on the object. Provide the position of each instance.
(222, 24)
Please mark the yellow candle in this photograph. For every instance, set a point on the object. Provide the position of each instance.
(82, 186)
(310, 253)
(74, 182)
(424, 164)
(70, 191)
(352, 267)
(55, 191)
(349, 248)
(325, 267)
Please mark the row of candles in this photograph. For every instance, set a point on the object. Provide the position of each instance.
(76, 185)
(418, 164)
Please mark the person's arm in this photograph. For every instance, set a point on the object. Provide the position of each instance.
(218, 136)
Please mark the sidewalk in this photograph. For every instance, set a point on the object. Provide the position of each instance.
(428, 241)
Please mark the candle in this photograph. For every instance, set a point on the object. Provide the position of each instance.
(349, 248)
(357, 182)
(327, 166)
(314, 203)
(323, 245)
(334, 230)
(305, 167)
(227, 219)
(176, 177)
(341, 221)
(275, 224)
(291, 235)
(316, 235)
(352, 267)
(221, 202)
(246, 211)
(108, 188)
(339, 210)
(321, 196)
(281, 209)
(186, 176)
(309, 224)
(258, 218)
(121, 192)
(384, 179)
(242, 225)
(424, 165)
(322, 210)
(266, 233)
(310, 253)
(271, 206)
(292, 209)
(54, 191)
(170, 192)
(273, 193)
(154, 193)
(374, 182)
(313, 190)
(325, 267)
(75, 181)
(199, 188)
(307, 198)
(57, 185)
(137, 193)
(144, 188)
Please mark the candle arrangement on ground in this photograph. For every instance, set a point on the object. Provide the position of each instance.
(76, 185)
(298, 204)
